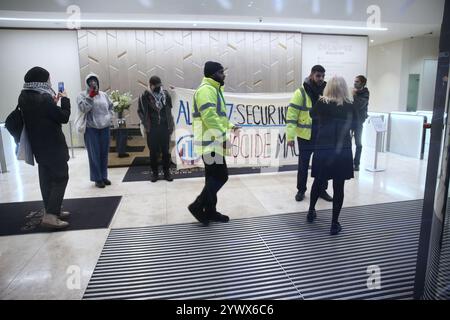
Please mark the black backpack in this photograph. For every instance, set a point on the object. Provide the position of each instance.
(14, 124)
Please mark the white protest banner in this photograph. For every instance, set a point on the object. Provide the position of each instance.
(261, 141)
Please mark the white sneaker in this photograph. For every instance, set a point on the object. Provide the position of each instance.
(52, 221)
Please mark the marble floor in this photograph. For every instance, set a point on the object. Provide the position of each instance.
(59, 265)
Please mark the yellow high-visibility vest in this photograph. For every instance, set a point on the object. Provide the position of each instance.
(298, 120)
(210, 123)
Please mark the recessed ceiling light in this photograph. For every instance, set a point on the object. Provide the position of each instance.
(175, 23)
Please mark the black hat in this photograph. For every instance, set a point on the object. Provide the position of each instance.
(211, 68)
(37, 74)
(155, 80)
(318, 68)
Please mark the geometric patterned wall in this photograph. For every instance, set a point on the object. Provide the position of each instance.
(253, 61)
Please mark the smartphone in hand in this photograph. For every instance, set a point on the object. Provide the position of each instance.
(60, 86)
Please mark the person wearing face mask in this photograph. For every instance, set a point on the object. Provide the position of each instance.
(300, 126)
(155, 112)
(43, 119)
(211, 129)
(97, 107)
(360, 102)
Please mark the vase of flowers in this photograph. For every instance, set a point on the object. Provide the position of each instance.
(121, 102)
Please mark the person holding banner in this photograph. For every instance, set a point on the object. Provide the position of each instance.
(300, 125)
(333, 159)
(211, 129)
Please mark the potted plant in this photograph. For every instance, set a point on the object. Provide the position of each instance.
(121, 102)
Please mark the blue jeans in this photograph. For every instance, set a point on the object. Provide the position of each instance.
(97, 145)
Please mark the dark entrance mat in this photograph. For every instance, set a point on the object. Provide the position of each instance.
(265, 258)
(87, 213)
(140, 171)
(129, 149)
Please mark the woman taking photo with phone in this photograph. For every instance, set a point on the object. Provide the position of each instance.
(43, 120)
(97, 108)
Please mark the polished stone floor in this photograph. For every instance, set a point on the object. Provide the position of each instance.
(43, 266)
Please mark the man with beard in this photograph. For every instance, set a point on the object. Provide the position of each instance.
(360, 103)
(300, 125)
(211, 129)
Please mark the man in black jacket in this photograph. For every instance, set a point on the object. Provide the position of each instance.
(155, 112)
(360, 103)
(42, 119)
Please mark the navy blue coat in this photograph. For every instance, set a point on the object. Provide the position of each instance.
(333, 158)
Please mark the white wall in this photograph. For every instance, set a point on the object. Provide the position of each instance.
(389, 67)
(384, 71)
(54, 50)
(345, 56)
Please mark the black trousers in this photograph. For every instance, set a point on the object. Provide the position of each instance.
(158, 140)
(306, 149)
(216, 175)
(338, 196)
(357, 134)
(53, 182)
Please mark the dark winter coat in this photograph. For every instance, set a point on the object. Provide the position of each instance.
(151, 116)
(43, 120)
(333, 158)
(361, 103)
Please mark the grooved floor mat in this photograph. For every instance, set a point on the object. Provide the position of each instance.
(269, 257)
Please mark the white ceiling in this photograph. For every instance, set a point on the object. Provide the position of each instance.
(402, 18)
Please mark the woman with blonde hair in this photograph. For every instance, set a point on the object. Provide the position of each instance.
(333, 160)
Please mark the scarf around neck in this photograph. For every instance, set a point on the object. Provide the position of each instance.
(160, 98)
(314, 91)
(41, 87)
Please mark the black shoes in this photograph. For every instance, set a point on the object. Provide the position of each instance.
(103, 183)
(218, 217)
(154, 177)
(299, 196)
(325, 196)
(198, 213)
(123, 155)
(356, 168)
(335, 228)
(311, 216)
(100, 184)
(168, 176)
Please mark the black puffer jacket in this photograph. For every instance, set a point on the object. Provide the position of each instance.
(361, 104)
(43, 120)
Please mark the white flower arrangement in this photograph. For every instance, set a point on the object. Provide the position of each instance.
(121, 102)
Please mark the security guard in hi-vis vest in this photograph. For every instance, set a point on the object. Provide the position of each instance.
(211, 129)
(300, 125)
